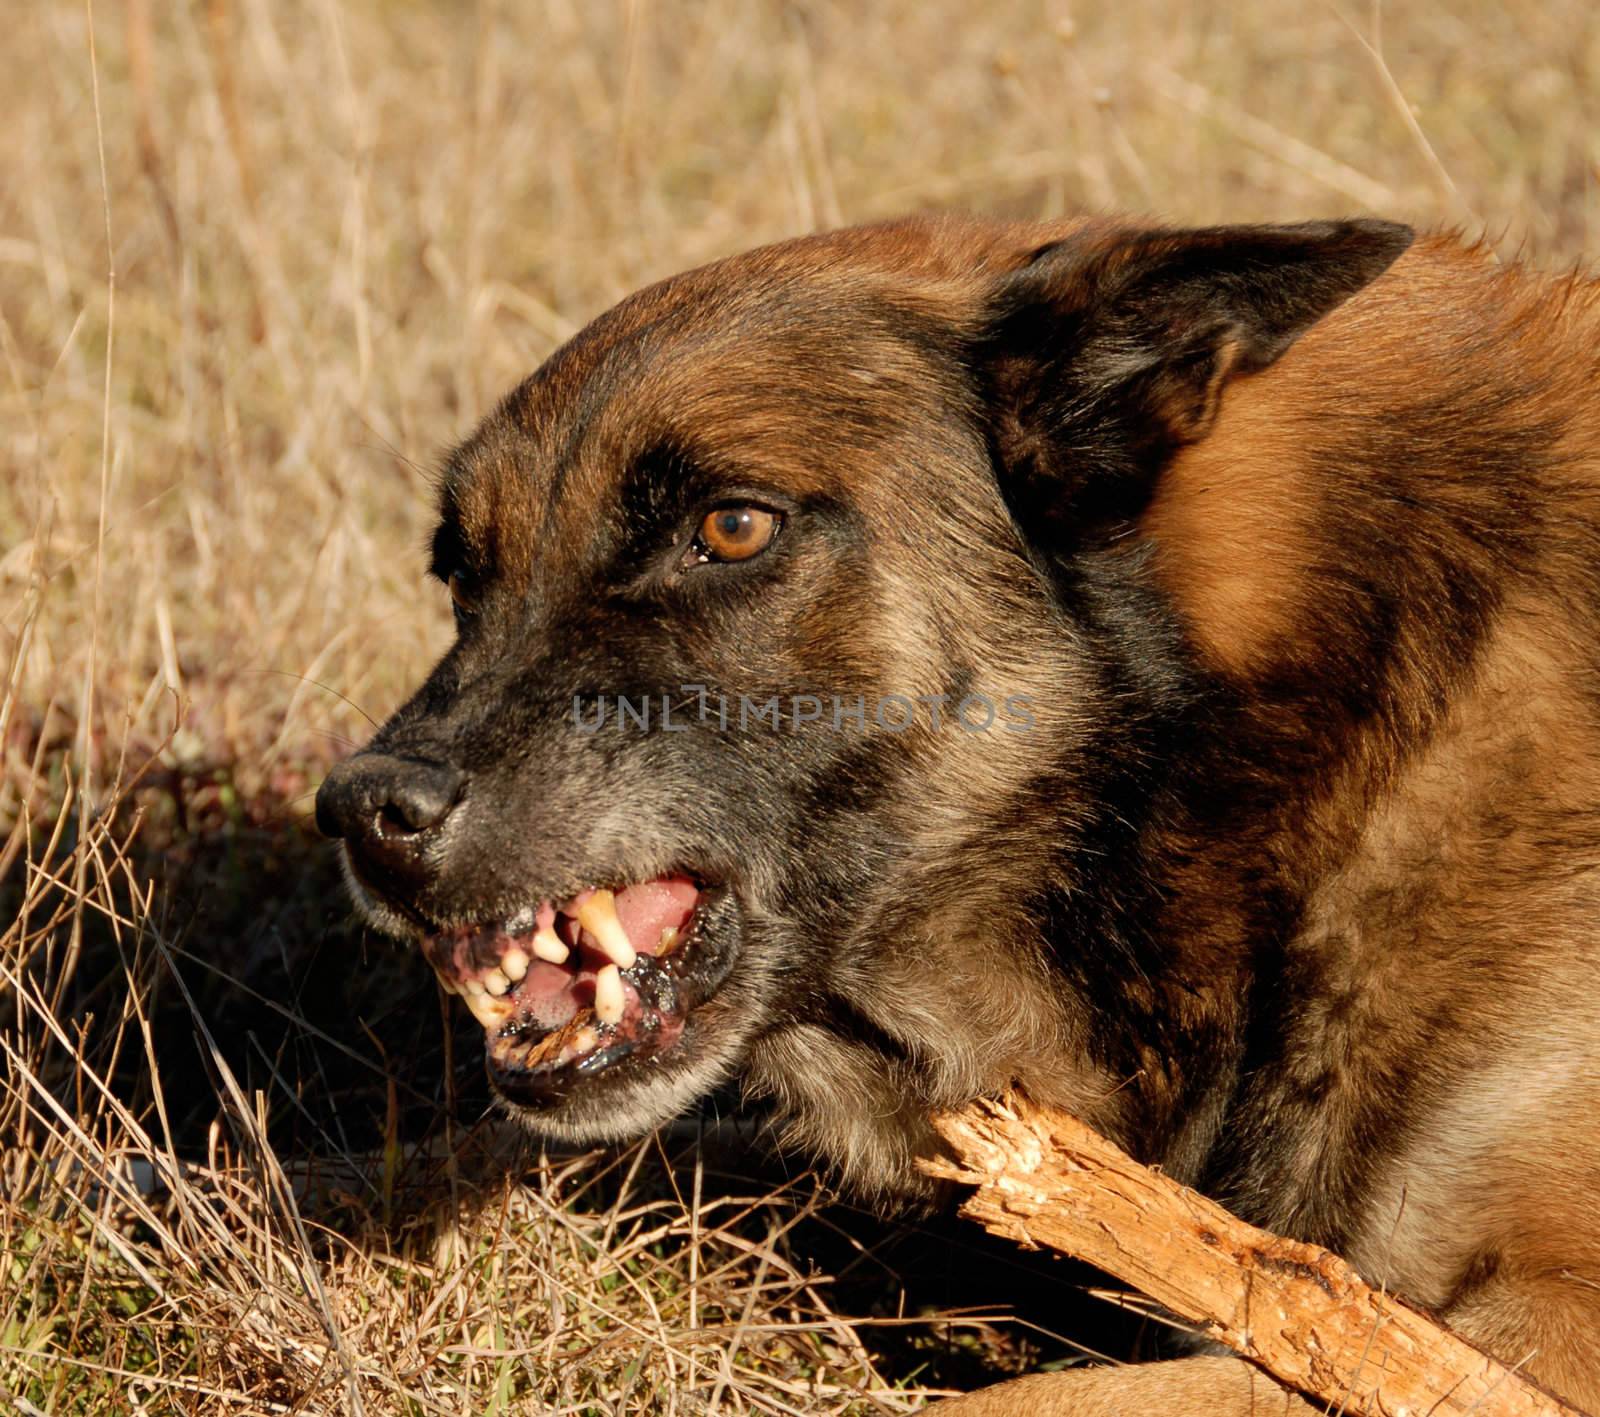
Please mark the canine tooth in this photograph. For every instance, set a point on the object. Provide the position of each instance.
(514, 963)
(547, 945)
(473, 989)
(608, 995)
(495, 982)
(669, 941)
(490, 1012)
(598, 915)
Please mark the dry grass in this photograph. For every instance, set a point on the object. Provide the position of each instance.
(241, 1169)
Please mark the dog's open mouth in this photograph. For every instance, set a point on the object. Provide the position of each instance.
(568, 989)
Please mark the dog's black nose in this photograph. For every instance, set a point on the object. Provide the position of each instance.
(387, 810)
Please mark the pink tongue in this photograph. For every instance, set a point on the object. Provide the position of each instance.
(545, 995)
(650, 907)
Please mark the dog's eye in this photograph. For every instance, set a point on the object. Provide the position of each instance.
(462, 600)
(735, 533)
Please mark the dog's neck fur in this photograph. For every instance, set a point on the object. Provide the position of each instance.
(1387, 718)
(1331, 641)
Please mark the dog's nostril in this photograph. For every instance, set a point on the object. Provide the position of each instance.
(420, 797)
(372, 798)
(391, 821)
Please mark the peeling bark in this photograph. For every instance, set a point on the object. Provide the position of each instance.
(1297, 1311)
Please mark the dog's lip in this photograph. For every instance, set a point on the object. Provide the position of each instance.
(426, 919)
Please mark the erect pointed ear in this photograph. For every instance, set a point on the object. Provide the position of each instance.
(1106, 353)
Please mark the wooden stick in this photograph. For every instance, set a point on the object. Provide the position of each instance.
(1297, 1311)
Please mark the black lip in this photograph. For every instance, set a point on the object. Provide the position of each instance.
(712, 951)
(384, 895)
(426, 922)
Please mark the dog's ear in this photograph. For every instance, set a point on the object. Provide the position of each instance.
(1102, 356)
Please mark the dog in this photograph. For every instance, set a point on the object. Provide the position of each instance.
(1154, 668)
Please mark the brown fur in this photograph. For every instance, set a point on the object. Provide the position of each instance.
(1293, 890)
(1204, 1387)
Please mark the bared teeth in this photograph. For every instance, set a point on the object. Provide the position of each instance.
(669, 941)
(547, 945)
(496, 982)
(585, 1040)
(598, 915)
(488, 1010)
(514, 964)
(608, 999)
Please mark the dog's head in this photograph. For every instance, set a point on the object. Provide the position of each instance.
(781, 699)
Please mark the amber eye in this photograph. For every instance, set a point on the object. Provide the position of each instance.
(737, 533)
(462, 601)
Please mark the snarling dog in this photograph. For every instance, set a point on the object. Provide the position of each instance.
(1156, 668)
